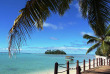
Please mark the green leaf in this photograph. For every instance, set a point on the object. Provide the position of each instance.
(32, 16)
(86, 36)
(97, 12)
(92, 41)
(93, 47)
(105, 47)
(107, 39)
(108, 33)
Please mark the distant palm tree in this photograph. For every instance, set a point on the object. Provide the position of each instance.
(37, 11)
(101, 43)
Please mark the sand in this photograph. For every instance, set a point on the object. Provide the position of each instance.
(99, 70)
(62, 69)
(74, 71)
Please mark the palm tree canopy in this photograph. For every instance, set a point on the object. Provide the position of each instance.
(98, 52)
(36, 12)
(32, 16)
(93, 47)
(102, 43)
(98, 14)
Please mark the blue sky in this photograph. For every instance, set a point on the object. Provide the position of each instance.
(59, 32)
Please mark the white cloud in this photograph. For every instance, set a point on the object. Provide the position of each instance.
(89, 33)
(60, 27)
(78, 8)
(71, 48)
(7, 49)
(60, 48)
(53, 38)
(3, 48)
(72, 23)
(52, 26)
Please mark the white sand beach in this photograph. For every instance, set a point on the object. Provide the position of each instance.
(60, 70)
(73, 71)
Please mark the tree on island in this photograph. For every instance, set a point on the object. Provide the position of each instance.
(102, 43)
(99, 52)
(36, 12)
(55, 52)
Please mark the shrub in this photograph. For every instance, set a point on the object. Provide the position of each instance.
(55, 52)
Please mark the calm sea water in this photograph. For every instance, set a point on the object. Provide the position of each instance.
(30, 63)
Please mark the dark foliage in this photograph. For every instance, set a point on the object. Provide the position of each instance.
(55, 52)
(32, 16)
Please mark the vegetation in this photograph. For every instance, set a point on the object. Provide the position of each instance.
(98, 15)
(55, 52)
(102, 43)
(98, 52)
(36, 12)
(32, 16)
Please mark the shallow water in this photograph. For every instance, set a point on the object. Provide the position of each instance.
(29, 63)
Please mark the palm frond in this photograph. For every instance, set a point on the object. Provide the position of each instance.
(98, 14)
(105, 47)
(92, 41)
(108, 28)
(34, 14)
(107, 33)
(107, 39)
(99, 51)
(86, 36)
(93, 47)
(84, 7)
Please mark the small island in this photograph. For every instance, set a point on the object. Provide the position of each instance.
(55, 52)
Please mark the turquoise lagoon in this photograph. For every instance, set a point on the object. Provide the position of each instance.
(24, 63)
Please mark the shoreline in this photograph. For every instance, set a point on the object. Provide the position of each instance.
(51, 71)
(70, 71)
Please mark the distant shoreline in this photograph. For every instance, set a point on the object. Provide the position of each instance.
(55, 52)
(48, 54)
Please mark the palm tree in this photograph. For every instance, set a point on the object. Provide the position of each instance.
(36, 12)
(32, 16)
(101, 43)
(99, 52)
(97, 12)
